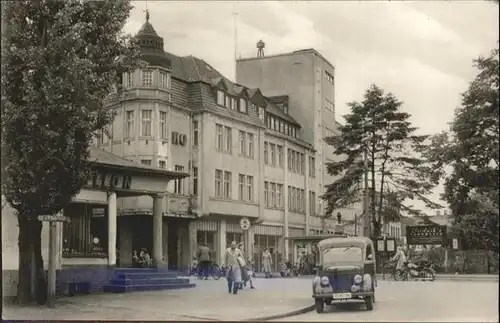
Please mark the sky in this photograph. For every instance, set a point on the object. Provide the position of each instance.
(421, 51)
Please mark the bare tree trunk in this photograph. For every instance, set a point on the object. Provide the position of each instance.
(30, 258)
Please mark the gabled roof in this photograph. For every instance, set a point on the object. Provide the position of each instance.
(279, 99)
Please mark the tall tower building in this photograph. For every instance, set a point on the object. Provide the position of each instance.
(304, 81)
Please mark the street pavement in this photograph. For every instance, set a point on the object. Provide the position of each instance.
(418, 301)
(209, 300)
(413, 301)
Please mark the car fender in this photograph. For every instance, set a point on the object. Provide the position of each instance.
(367, 282)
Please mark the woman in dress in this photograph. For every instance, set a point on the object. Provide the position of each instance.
(267, 263)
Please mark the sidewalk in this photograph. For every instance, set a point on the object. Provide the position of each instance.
(209, 300)
(459, 277)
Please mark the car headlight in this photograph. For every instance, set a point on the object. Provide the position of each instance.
(358, 279)
(355, 288)
(325, 281)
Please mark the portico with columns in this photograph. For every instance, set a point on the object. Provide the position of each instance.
(115, 183)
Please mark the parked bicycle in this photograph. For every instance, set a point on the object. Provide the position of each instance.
(213, 270)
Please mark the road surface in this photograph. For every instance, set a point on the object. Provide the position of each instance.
(416, 301)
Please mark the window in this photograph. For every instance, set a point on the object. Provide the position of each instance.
(369, 252)
(228, 139)
(220, 98)
(266, 153)
(329, 105)
(243, 143)
(146, 162)
(249, 188)
(282, 127)
(195, 180)
(302, 164)
(241, 187)
(293, 161)
(268, 122)
(266, 192)
(329, 77)
(250, 145)
(163, 125)
(129, 79)
(146, 123)
(303, 200)
(261, 113)
(273, 154)
(78, 235)
(162, 164)
(227, 185)
(164, 80)
(228, 102)
(272, 123)
(147, 78)
(312, 167)
(234, 104)
(178, 187)
(243, 105)
(280, 156)
(279, 196)
(289, 159)
(285, 109)
(289, 198)
(130, 124)
(276, 126)
(219, 136)
(218, 183)
(195, 133)
(294, 198)
(272, 191)
(312, 203)
(287, 131)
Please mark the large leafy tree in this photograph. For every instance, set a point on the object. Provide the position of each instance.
(468, 157)
(396, 170)
(59, 59)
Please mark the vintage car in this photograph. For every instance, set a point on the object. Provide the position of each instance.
(345, 272)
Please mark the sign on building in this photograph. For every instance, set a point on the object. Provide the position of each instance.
(245, 223)
(426, 235)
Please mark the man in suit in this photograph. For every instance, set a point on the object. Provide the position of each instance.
(204, 254)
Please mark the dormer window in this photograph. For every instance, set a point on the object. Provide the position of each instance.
(228, 102)
(220, 98)
(276, 126)
(262, 113)
(282, 127)
(234, 104)
(243, 105)
(285, 109)
(147, 78)
(286, 129)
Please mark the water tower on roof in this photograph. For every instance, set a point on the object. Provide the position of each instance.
(260, 48)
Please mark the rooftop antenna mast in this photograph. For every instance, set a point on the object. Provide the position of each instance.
(235, 25)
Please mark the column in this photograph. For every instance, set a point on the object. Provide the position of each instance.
(221, 239)
(158, 230)
(192, 228)
(112, 229)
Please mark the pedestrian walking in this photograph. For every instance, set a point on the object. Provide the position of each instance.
(246, 273)
(203, 261)
(233, 269)
(267, 263)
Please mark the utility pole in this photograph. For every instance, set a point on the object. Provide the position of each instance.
(366, 221)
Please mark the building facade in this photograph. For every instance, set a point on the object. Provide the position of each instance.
(248, 155)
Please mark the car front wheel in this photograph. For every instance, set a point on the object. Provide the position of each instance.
(320, 306)
(369, 303)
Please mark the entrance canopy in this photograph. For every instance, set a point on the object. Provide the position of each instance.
(127, 178)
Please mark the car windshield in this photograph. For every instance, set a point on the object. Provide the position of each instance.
(336, 255)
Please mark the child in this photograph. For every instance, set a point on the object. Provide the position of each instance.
(284, 272)
(194, 266)
(250, 273)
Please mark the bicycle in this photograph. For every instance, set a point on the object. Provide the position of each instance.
(213, 270)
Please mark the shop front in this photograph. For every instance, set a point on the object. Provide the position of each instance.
(267, 237)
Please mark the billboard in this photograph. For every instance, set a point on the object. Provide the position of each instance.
(426, 234)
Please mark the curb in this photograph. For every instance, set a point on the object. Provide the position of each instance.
(283, 315)
(451, 278)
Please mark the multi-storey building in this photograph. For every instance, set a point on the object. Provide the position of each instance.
(248, 155)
